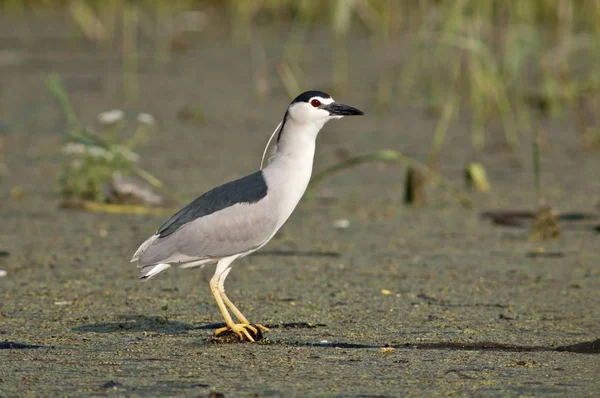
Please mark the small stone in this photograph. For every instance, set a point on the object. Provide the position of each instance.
(112, 385)
(341, 224)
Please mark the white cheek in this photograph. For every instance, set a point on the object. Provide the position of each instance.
(306, 114)
(299, 113)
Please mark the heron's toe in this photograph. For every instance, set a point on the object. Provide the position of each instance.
(261, 327)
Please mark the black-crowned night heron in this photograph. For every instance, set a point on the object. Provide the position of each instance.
(241, 216)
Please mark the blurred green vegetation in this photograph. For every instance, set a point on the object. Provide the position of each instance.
(494, 62)
(94, 159)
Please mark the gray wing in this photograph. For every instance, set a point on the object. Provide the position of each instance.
(249, 189)
(237, 229)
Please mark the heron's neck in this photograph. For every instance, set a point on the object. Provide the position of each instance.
(296, 145)
(288, 173)
(290, 167)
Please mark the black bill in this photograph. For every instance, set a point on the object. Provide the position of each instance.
(342, 110)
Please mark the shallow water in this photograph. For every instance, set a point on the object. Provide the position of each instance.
(466, 307)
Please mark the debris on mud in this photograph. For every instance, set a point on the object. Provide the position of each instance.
(121, 190)
(519, 218)
(545, 224)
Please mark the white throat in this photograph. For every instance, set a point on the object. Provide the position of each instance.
(297, 138)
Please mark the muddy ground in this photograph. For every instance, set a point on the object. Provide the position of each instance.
(470, 308)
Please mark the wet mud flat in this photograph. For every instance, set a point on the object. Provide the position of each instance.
(403, 301)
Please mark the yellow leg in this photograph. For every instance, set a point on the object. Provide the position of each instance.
(241, 329)
(238, 314)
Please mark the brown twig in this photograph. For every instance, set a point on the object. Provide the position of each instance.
(391, 156)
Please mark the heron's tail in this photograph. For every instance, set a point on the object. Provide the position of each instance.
(150, 271)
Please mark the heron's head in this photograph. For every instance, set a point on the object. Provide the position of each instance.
(318, 107)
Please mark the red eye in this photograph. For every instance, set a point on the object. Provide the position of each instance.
(316, 103)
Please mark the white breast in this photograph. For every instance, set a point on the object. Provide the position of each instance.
(290, 169)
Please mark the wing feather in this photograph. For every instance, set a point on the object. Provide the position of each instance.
(237, 229)
(249, 189)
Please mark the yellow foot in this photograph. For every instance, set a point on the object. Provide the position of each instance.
(241, 329)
